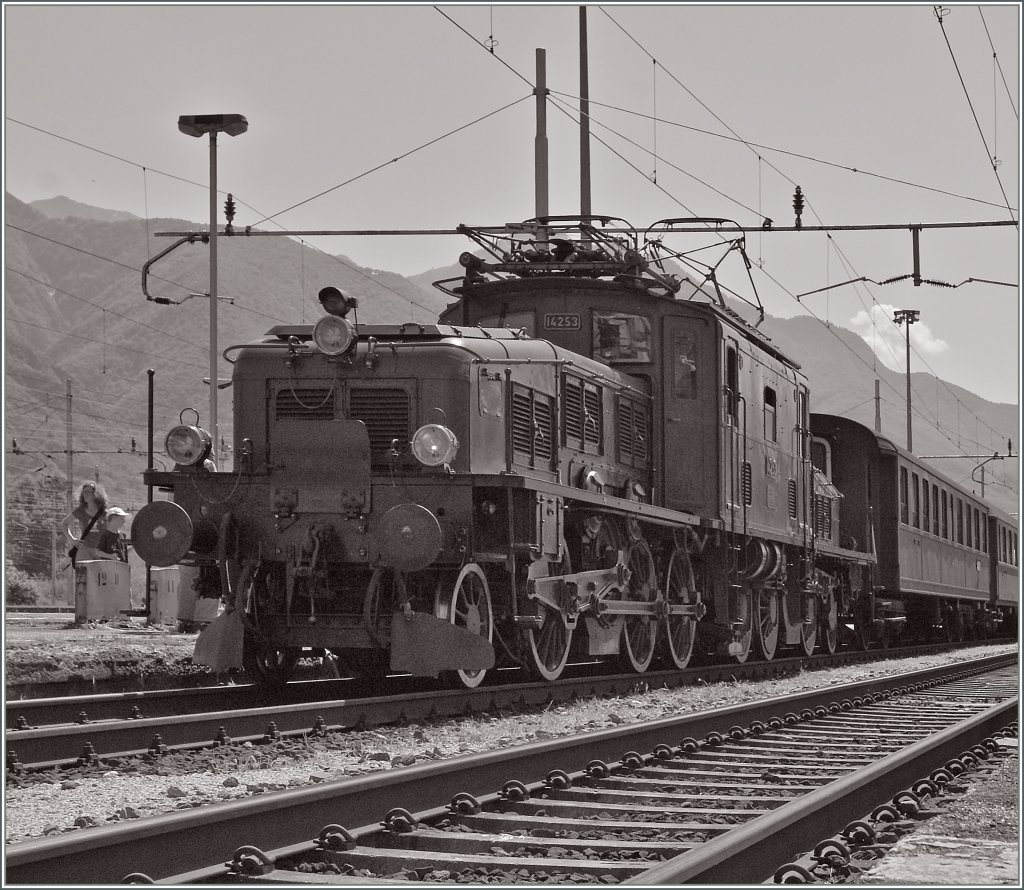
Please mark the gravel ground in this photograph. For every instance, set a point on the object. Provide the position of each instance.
(60, 801)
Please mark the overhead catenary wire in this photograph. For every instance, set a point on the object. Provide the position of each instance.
(939, 15)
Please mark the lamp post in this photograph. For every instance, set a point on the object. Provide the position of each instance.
(909, 316)
(198, 125)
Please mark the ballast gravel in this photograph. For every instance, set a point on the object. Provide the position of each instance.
(53, 802)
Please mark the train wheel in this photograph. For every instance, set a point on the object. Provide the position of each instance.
(809, 629)
(766, 628)
(745, 614)
(640, 632)
(469, 606)
(549, 646)
(680, 589)
(830, 623)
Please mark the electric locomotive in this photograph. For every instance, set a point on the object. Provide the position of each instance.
(591, 455)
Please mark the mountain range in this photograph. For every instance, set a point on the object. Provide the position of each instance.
(76, 318)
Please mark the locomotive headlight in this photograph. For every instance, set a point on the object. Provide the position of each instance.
(334, 335)
(433, 445)
(187, 445)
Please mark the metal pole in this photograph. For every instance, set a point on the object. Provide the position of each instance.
(213, 295)
(67, 429)
(540, 144)
(910, 431)
(584, 119)
(983, 480)
(149, 485)
(878, 406)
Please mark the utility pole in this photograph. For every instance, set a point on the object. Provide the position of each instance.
(878, 406)
(67, 429)
(909, 316)
(540, 143)
(584, 120)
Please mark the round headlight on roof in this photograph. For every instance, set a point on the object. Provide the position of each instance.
(433, 445)
(334, 335)
(187, 445)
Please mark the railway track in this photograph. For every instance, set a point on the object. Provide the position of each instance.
(43, 733)
(726, 796)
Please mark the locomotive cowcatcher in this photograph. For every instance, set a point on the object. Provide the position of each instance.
(590, 454)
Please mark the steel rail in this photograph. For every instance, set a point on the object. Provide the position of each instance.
(180, 719)
(752, 853)
(169, 844)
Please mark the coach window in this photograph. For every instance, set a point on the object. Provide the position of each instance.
(916, 488)
(926, 522)
(935, 510)
(945, 516)
(970, 540)
(1002, 544)
(983, 547)
(977, 530)
(959, 521)
(1013, 549)
(904, 508)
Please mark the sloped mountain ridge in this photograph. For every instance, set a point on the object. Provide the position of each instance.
(77, 312)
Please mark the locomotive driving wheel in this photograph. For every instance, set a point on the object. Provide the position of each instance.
(766, 625)
(468, 605)
(680, 590)
(549, 645)
(640, 632)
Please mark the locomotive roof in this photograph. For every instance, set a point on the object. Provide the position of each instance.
(407, 330)
(597, 251)
(486, 345)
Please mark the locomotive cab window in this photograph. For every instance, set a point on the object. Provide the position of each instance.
(514, 321)
(904, 497)
(771, 430)
(621, 337)
(916, 514)
(684, 359)
(821, 457)
(935, 510)
(732, 383)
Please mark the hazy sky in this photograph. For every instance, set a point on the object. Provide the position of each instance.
(334, 91)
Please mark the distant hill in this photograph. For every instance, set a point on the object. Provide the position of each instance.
(62, 207)
(70, 316)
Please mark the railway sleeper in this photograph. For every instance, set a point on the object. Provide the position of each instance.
(395, 863)
(637, 812)
(542, 822)
(663, 799)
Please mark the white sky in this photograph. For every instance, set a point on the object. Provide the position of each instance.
(332, 91)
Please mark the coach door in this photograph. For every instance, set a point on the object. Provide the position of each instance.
(688, 385)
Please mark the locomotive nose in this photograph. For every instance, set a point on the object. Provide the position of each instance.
(162, 533)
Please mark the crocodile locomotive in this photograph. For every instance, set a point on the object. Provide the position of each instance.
(592, 455)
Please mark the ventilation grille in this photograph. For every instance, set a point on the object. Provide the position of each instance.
(532, 426)
(792, 499)
(822, 517)
(573, 408)
(592, 419)
(308, 403)
(632, 429)
(385, 413)
(747, 483)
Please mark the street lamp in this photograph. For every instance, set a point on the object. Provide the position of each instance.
(198, 125)
(909, 316)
